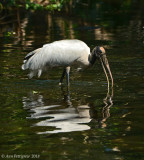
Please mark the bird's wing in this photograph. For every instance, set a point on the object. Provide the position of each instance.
(29, 55)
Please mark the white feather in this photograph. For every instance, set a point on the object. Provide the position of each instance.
(39, 72)
(31, 74)
(58, 53)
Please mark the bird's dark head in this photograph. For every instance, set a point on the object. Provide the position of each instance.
(98, 51)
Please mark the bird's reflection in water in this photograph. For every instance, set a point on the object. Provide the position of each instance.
(64, 119)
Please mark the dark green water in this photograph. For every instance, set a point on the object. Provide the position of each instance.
(38, 118)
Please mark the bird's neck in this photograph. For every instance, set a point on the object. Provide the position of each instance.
(92, 58)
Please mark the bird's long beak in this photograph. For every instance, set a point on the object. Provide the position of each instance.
(104, 62)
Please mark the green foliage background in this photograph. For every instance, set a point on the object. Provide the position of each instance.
(33, 4)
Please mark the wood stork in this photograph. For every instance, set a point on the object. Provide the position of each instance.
(64, 53)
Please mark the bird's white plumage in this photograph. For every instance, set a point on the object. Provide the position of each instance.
(64, 53)
(58, 53)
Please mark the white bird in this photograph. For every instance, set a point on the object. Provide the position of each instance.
(64, 53)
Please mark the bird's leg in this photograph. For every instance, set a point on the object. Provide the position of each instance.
(67, 74)
(62, 77)
(66, 95)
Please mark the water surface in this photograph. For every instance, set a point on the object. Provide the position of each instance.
(40, 117)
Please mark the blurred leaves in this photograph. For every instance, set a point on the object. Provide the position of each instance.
(34, 4)
(9, 34)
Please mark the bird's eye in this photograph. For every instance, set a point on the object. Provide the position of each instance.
(99, 50)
